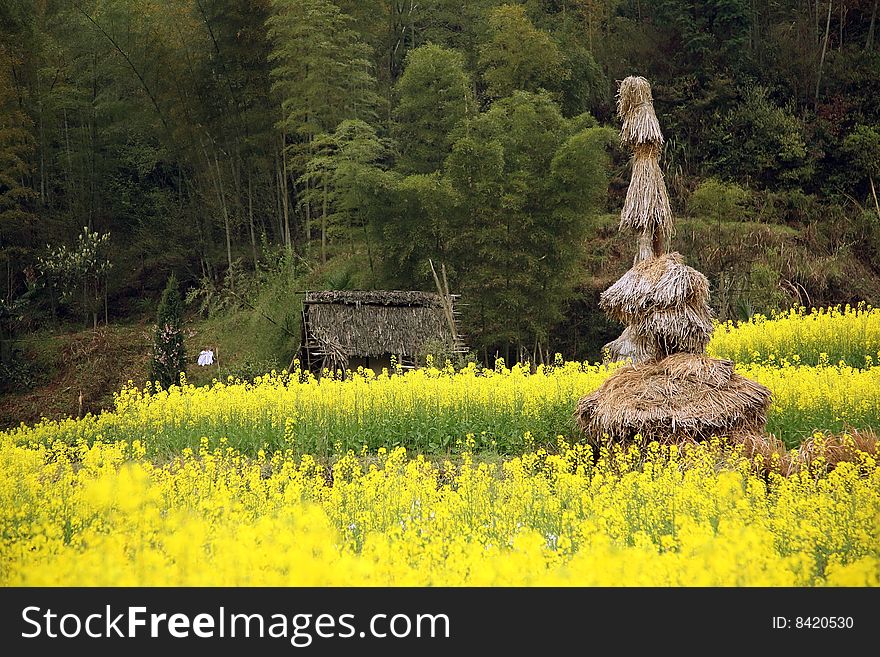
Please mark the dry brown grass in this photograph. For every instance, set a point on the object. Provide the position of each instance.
(767, 453)
(664, 282)
(682, 396)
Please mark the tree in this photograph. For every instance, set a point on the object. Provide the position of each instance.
(336, 176)
(321, 68)
(863, 146)
(707, 36)
(358, 162)
(231, 75)
(17, 197)
(584, 88)
(414, 216)
(527, 181)
(761, 141)
(517, 55)
(321, 72)
(85, 268)
(434, 96)
(169, 354)
(16, 148)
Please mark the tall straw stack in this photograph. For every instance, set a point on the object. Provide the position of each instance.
(671, 391)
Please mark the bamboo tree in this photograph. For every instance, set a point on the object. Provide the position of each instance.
(321, 77)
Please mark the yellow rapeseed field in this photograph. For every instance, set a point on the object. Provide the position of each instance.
(430, 410)
(106, 515)
(448, 477)
(810, 336)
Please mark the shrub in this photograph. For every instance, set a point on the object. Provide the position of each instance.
(720, 201)
(169, 354)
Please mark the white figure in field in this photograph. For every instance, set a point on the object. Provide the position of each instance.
(206, 357)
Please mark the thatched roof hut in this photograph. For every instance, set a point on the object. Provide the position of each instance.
(346, 328)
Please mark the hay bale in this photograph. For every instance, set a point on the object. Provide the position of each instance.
(646, 207)
(636, 109)
(682, 396)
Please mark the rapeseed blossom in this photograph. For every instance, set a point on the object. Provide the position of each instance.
(816, 336)
(430, 410)
(105, 514)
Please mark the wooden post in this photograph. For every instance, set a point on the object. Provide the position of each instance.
(446, 302)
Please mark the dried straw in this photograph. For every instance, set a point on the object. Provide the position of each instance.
(655, 284)
(646, 207)
(646, 248)
(635, 108)
(375, 297)
(374, 330)
(767, 453)
(681, 329)
(626, 347)
(665, 304)
(834, 449)
(684, 395)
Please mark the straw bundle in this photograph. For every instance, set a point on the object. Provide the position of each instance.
(646, 207)
(373, 330)
(666, 305)
(767, 453)
(838, 449)
(635, 108)
(684, 328)
(671, 391)
(656, 284)
(682, 396)
(626, 347)
(822, 453)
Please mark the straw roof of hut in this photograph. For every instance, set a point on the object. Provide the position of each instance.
(375, 297)
(375, 322)
(682, 396)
